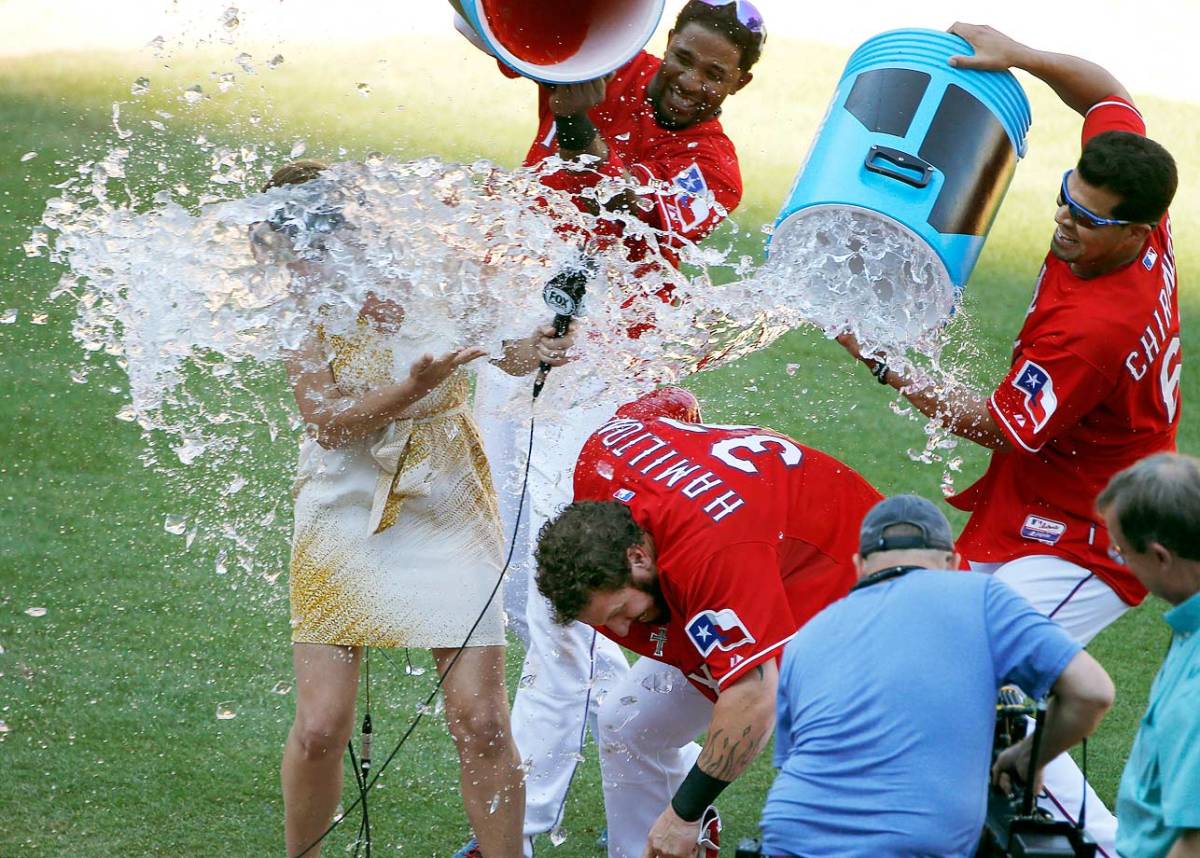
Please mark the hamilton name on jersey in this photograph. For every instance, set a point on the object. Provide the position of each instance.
(654, 457)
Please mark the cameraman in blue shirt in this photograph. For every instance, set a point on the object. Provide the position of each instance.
(886, 707)
(1153, 514)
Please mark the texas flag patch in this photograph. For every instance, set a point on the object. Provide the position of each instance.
(687, 204)
(722, 629)
(624, 495)
(1040, 401)
(1149, 259)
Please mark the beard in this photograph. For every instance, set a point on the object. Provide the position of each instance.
(652, 589)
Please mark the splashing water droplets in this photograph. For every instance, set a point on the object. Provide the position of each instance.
(282, 687)
(363, 89)
(141, 86)
(176, 525)
(226, 711)
(28, 156)
(35, 612)
(9, 316)
(275, 61)
(558, 835)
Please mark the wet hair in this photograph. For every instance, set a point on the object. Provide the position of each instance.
(1157, 500)
(723, 20)
(1135, 168)
(583, 552)
(295, 173)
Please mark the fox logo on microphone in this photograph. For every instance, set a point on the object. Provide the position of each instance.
(722, 629)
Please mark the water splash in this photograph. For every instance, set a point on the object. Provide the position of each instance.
(181, 286)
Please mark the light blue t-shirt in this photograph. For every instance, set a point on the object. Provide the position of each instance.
(886, 715)
(1159, 796)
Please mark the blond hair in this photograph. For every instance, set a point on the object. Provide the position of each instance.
(295, 173)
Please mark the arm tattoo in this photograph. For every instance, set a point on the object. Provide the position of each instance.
(725, 755)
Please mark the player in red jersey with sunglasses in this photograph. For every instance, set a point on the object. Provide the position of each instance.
(1094, 381)
(657, 123)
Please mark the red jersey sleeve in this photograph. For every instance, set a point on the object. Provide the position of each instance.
(1048, 390)
(700, 183)
(737, 614)
(1112, 114)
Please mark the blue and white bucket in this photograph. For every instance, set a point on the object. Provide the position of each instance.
(914, 141)
(565, 42)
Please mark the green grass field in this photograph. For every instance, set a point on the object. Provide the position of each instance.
(111, 743)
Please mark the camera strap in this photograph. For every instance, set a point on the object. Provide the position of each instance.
(884, 575)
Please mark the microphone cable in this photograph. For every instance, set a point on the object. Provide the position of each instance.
(361, 770)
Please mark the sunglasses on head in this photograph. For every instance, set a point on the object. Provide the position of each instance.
(748, 16)
(1082, 216)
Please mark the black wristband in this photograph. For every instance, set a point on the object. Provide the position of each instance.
(695, 794)
(575, 132)
(880, 371)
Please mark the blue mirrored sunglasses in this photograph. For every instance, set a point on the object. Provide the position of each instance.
(1082, 216)
(748, 16)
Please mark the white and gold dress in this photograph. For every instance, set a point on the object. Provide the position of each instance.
(397, 538)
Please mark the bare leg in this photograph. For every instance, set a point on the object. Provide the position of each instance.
(326, 687)
(493, 787)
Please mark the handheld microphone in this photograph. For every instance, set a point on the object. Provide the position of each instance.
(564, 295)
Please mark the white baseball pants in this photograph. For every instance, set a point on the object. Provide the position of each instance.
(566, 667)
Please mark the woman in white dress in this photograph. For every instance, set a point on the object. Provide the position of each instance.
(397, 543)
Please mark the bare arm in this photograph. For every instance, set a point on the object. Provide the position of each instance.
(339, 419)
(961, 410)
(1078, 82)
(1187, 845)
(521, 357)
(741, 724)
(1082, 694)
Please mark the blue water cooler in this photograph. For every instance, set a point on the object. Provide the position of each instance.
(915, 140)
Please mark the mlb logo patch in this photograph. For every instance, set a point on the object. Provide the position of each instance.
(1040, 401)
(624, 495)
(1044, 530)
(688, 204)
(722, 629)
(1149, 259)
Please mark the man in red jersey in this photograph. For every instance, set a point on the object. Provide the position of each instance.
(657, 122)
(1094, 381)
(703, 549)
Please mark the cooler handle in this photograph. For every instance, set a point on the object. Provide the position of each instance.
(899, 165)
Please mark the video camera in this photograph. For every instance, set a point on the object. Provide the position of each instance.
(1015, 826)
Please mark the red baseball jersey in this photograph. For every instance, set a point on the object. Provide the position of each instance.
(1093, 387)
(754, 534)
(694, 168)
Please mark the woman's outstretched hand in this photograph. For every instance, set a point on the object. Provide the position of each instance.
(429, 371)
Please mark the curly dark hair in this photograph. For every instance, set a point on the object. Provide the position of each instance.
(582, 552)
(724, 20)
(1135, 168)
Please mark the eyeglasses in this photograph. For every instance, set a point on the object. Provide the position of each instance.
(748, 16)
(1082, 216)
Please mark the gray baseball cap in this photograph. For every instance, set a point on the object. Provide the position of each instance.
(910, 510)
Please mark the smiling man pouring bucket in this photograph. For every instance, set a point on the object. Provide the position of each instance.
(656, 121)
